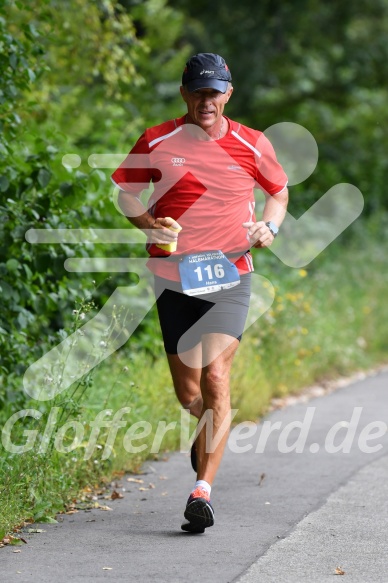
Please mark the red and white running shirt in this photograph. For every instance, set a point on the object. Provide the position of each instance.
(205, 185)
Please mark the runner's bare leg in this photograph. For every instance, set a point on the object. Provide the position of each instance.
(207, 389)
(219, 351)
(187, 379)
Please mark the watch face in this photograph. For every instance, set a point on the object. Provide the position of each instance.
(273, 227)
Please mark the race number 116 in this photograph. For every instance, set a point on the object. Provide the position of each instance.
(218, 272)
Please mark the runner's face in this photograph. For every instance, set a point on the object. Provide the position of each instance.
(205, 106)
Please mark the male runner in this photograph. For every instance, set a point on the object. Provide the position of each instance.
(200, 226)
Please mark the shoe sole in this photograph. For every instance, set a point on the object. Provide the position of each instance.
(193, 528)
(199, 513)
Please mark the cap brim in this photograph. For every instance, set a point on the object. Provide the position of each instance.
(207, 83)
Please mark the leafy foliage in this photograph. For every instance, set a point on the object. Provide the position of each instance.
(70, 82)
(33, 283)
(110, 69)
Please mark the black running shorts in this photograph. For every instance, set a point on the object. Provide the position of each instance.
(189, 317)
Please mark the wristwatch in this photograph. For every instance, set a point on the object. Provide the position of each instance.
(273, 228)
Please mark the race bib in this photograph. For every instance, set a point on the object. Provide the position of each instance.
(207, 272)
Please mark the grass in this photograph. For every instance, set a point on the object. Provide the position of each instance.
(326, 320)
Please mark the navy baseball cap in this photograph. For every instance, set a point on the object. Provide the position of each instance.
(206, 70)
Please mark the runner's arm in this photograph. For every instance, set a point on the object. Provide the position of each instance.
(138, 216)
(275, 207)
(274, 210)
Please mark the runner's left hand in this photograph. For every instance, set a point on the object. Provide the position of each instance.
(259, 234)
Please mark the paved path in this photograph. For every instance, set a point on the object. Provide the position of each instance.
(313, 512)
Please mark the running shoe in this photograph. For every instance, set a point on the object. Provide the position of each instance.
(193, 528)
(193, 456)
(199, 512)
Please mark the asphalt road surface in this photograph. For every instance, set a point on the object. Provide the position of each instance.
(281, 515)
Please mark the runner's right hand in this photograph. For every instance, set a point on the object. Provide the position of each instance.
(162, 232)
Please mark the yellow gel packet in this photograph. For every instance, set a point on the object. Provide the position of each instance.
(171, 247)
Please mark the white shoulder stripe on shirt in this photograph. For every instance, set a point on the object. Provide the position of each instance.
(248, 145)
(161, 138)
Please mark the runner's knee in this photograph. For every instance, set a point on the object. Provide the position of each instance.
(215, 375)
(215, 384)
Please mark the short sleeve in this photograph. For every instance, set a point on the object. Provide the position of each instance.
(270, 174)
(135, 174)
